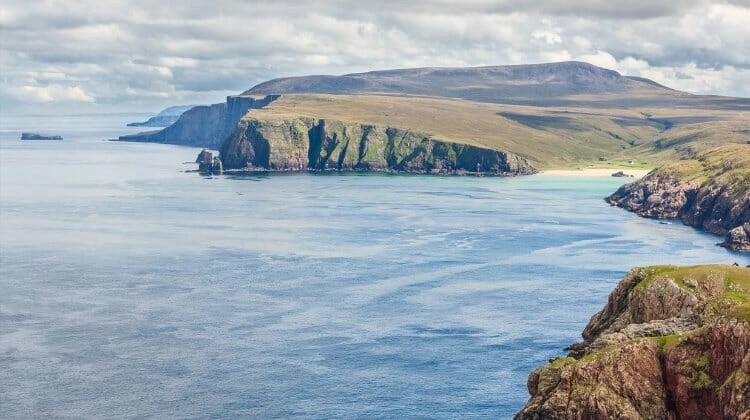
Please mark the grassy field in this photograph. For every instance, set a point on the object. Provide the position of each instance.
(550, 137)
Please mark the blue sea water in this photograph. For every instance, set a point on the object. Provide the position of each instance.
(129, 288)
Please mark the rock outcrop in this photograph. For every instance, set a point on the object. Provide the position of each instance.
(738, 238)
(204, 126)
(303, 143)
(671, 343)
(711, 191)
(208, 164)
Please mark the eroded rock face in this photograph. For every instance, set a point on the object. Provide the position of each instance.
(669, 344)
(312, 144)
(656, 195)
(569, 389)
(711, 205)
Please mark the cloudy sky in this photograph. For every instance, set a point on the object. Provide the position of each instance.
(138, 55)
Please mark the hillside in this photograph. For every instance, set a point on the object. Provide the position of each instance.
(547, 137)
(672, 342)
(568, 83)
(552, 115)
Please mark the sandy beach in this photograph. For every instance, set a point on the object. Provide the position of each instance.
(637, 173)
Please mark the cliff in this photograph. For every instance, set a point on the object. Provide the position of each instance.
(710, 191)
(671, 342)
(204, 126)
(306, 143)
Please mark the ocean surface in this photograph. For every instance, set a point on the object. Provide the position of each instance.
(131, 289)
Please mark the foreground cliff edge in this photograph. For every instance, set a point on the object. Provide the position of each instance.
(709, 191)
(671, 342)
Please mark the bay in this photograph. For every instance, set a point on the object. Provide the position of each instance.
(129, 288)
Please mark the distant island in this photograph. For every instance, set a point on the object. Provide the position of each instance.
(36, 136)
(165, 118)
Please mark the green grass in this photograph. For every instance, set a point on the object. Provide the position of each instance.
(667, 341)
(550, 137)
(726, 165)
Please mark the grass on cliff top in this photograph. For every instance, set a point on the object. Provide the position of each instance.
(736, 282)
(550, 137)
(730, 163)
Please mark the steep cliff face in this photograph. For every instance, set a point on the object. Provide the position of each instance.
(671, 343)
(711, 191)
(204, 126)
(318, 144)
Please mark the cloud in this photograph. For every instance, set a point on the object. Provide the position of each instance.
(51, 93)
(133, 54)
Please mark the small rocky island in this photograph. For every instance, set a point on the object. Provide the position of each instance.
(36, 136)
(671, 343)
(208, 164)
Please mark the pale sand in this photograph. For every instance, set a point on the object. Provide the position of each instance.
(637, 173)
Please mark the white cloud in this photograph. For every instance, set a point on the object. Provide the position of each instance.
(600, 58)
(51, 93)
(549, 37)
(135, 53)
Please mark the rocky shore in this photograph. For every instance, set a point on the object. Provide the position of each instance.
(710, 191)
(671, 343)
(302, 144)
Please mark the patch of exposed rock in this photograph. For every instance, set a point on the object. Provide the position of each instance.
(302, 144)
(671, 343)
(738, 238)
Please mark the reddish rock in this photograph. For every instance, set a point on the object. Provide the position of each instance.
(666, 346)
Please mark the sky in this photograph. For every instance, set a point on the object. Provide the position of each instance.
(143, 55)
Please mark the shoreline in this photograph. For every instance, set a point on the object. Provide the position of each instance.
(596, 172)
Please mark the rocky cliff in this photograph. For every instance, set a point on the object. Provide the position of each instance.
(204, 126)
(319, 144)
(671, 343)
(710, 191)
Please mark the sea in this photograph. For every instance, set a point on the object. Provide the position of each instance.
(133, 288)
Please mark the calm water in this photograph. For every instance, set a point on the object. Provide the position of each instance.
(131, 289)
